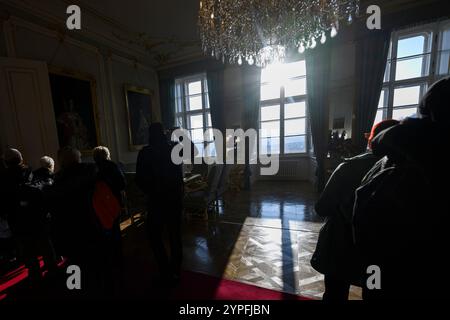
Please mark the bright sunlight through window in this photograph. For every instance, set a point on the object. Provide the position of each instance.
(283, 111)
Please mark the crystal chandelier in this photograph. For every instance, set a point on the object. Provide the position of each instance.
(261, 31)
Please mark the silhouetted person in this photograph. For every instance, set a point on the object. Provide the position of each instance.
(77, 233)
(14, 176)
(401, 212)
(16, 173)
(109, 172)
(335, 255)
(162, 181)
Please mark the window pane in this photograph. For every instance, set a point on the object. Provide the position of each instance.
(270, 113)
(411, 68)
(195, 103)
(197, 135)
(270, 129)
(269, 146)
(200, 147)
(194, 87)
(209, 134)
(410, 46)
(295, 110)
(379, 116)
(406, 96)
(444, 54)
(399, 114)
(211, 149)
(196, 121)
(444, 63)
(381, 101)
(296, 144)
(295, 87)
(295, 69)
(294, 127)
(270, 91)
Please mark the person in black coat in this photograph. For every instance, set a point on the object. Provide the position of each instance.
(162, 181)
(109, 172)
(76, 231)
(401, 213)
(14, 175)
(335, 255)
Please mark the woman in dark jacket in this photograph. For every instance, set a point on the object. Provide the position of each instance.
(335, 256)
(109, 172)
(162, 181)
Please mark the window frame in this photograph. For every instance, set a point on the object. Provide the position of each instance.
(282, 101)
(434, 42)
(181, 110)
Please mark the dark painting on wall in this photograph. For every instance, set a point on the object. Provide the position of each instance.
(75, 108)
(139, 111)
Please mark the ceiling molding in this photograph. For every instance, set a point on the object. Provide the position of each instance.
(49, 20)
(162, 49)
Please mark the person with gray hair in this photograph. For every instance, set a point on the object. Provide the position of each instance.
(12, 157)
(112, 176)
(101, 153)
(45, 173)
(48, 163)
(108, 171)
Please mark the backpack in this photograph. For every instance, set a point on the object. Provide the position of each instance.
(106, 206)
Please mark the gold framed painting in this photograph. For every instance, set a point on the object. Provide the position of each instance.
(139, 115)
(75, 106)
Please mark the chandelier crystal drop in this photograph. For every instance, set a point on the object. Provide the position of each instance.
(261, 31)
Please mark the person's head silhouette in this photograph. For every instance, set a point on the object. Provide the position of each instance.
(156, 134)
(435, 103)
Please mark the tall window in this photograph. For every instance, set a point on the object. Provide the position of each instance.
(283, 111)
(417, 58)
(192, 111)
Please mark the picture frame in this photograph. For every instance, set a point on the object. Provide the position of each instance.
(139, 106)
(75, 107)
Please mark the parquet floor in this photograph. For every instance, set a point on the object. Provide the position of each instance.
(265, 237)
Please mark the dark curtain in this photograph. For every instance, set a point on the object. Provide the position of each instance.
(215, 94)
(318, 62)
(251, 89)
(216, 105)
(167, 102)
(371, 57)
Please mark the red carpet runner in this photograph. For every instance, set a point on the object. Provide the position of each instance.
(197, 286)
(193, 286)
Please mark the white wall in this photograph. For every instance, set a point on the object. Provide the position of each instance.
(122, 72)
(26, 38)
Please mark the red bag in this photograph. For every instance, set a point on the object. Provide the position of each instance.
(106, 205)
